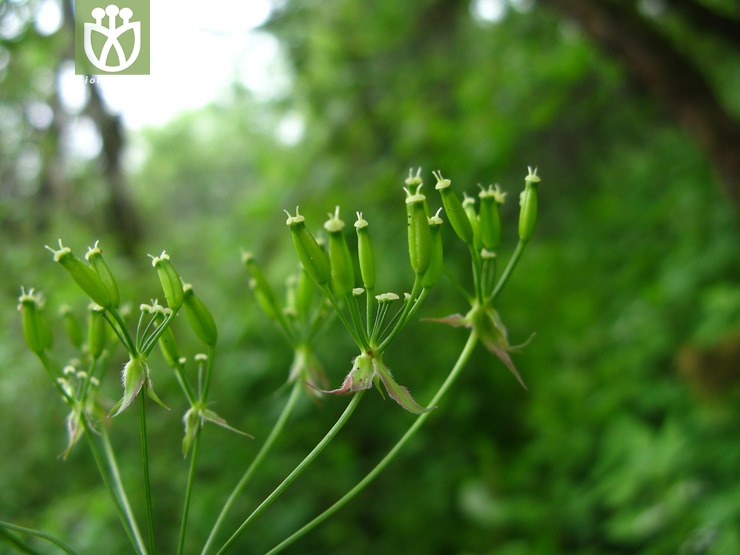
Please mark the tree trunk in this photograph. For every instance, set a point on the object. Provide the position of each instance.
(669, 76)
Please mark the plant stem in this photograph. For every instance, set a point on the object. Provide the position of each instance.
(459, 364)
(122, 332)
(109, 473)
(19, 544)
(239, 488)
(145, 470)
(296, 472)
(38, 534)
(209, 374)
(121, 493)
(415, 290)
(509, 268)
(188, 492)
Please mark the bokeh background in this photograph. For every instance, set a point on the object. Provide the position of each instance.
(628, 440)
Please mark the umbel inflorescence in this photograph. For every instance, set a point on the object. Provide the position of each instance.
(326, 288)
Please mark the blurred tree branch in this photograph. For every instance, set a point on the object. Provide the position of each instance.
(672, 77)
(120, 210)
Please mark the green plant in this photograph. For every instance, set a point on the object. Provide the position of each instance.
(324, 287)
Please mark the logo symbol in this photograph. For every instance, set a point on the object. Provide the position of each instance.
(112, 56)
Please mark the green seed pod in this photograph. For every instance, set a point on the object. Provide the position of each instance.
(168, 347)
(84, 276)
(432, 275)
(199, 317)
(419, 234)
(305, 289)
(261, 287)
(35, 326)
(170, 280)
(365, 253)
(454, 209)
(72, 326)
(311, 255)
(469, 207)
(291, 286)
(342, 272)
(528, 206)
(96, 331)
(489, 219)
(94, 256)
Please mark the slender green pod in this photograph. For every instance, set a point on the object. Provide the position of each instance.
(472, 214)
(312, 256)
(419, 234)
(36, 329)
(304, 294)
(454, 209)
(342, 271)
(528, 205)
(432, 275)
(199, 317)
(72, 326)
(168, 347)
(489, 218)
(261, 287)
(88, 280)
(94, 256)
(169, 279)
(365, 253)
(97, 333)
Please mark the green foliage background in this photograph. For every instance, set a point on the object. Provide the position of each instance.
(626, 442)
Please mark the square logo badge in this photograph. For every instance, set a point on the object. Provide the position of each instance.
(112, 38)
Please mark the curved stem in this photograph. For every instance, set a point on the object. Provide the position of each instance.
(415, 290)
(342, 318)
(117, 483)
(109, 473)
(19, 544)
(296, 472)
(509, 268)
(52, 369)
(121, 332)
(239, 488)
(459, 364)
(151, 341)
(38, 534)
(188, 492)
(209, 374)
(145, 470)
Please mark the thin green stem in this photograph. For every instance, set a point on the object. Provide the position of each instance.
(296, 472)
(188, 492)
(354, 312)
(209, 374)
(415, 290)
(109, 473)
(19, 544)
(369, 298)
(244, 480)
(145, 470)
(151, 341)
(507, 271)
(459, 364)
(184, 383)
(342, 318)
(115, 476)
(121, 331)
(54, 373)
(477, 271)
(457, 285)
(38, 534)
